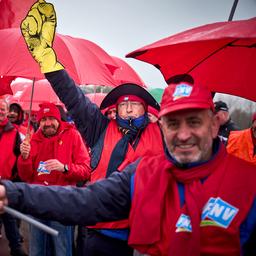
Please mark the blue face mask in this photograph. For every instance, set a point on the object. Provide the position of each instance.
(136, 123)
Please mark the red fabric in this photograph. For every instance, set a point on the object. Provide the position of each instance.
(7, 157)
(13, 12)
(126, 74)
(5, 84)
(150, 143)
(204, 50)
(4, 123)
(43, 92)
(156, 206)
(67, 147)
(131, 98)
(153, 111)
(185, 96)
(48, 110)
(82, 64)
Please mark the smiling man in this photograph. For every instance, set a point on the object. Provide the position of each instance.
(193, 199)
(155, 204)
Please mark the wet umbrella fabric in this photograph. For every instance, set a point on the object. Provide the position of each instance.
(43, 92)
(81, 63)
(221, 56)
(126, 74)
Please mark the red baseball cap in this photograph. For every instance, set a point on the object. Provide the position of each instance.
(185, 96)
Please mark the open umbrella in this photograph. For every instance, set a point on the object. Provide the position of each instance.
(96, 97)
(82, 64)
(43, 92)
(220, 55)
(126, 74)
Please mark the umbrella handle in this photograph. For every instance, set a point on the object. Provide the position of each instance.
(30, 109)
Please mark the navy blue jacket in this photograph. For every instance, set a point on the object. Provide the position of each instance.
(87, 116)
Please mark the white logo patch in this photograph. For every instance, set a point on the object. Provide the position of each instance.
(182, 90)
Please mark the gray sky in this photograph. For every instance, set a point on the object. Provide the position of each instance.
(120, 27)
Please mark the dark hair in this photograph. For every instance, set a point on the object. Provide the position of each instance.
(180, 78)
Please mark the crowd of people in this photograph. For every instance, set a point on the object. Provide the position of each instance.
(133, 176)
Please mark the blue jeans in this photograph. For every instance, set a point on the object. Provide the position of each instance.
(61, 245)
(11, 230)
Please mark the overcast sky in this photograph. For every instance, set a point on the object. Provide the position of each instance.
(121, 26)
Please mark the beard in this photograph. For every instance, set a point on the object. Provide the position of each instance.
(49, 130)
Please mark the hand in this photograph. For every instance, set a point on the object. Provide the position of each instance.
(38, 30)
(54, 165)
(3, 198)
(25, 149)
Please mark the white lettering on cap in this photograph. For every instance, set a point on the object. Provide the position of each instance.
(182, 90)
(46, 110)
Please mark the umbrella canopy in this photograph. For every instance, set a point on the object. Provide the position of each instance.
(126, 74)
(109, 62)
(97, 97)
(221, 56)
(82, 64)
(43, 92)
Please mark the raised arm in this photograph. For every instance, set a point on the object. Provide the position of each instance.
(38, 29)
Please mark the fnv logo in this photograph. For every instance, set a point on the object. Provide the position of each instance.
(183, 224)
(217, 212)
(182, 90)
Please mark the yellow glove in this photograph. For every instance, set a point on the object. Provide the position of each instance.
(38, 29)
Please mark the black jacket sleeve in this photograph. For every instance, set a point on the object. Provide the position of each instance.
(105, 200)
(87, 116)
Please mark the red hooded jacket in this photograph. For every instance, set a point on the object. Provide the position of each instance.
(67, 147)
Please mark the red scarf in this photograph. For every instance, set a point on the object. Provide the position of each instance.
(194, 203)
(182, 243)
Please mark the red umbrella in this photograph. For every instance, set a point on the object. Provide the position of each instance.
(126, 74)
(42, 92)
(110, 62)
(220, 55)
(82, 64)
(96, 98)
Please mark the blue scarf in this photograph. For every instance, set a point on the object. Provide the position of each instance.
(131, 129)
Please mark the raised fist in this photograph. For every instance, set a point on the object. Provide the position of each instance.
(38, 30)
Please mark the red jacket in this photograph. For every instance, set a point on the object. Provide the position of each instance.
(7, 157)
(67, 146)
(156, 206)
(150, 143)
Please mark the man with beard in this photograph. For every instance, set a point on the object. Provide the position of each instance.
(9, 144)
(193, 199)
(113, 143)
(56, 155)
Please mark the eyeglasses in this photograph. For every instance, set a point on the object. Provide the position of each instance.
(132, 104)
